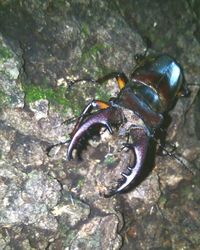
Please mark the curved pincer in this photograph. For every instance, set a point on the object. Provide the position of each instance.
(139, 147)
(102, 117)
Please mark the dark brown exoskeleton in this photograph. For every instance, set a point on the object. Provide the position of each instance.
(154, 87)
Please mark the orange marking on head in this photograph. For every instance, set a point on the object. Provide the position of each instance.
(102, 105)
(121, 82)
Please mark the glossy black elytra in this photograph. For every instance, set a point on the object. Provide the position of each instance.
(155, 85)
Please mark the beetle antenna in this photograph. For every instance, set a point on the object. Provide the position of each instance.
(70, 120)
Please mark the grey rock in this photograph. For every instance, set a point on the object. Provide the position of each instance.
(50, 203)
(27, 199)
(96, 234)
(10, 66)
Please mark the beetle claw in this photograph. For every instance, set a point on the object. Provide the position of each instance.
(102, 117)
(139, 148)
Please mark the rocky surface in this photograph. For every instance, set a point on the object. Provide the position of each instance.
(47, 202)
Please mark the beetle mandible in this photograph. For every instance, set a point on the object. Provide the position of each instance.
(155, 85)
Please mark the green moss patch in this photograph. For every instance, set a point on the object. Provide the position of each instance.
(4, 99)
(5, 53)
(56, 96)
(64, 98)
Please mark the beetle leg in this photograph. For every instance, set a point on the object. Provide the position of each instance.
(120, 77)
(55, 145)
(139, 148)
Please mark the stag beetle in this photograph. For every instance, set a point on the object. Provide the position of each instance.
(155, 85)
